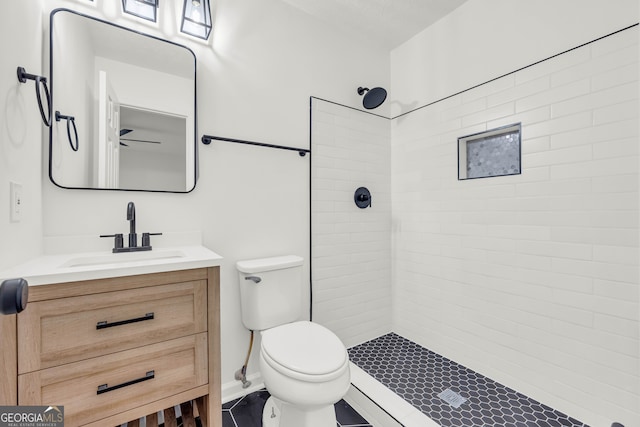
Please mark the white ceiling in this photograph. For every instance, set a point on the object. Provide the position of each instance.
(389, 23)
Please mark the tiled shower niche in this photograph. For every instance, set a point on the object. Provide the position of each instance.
(492, 153)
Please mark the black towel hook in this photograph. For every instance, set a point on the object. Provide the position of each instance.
(23, 76)
(71, 121)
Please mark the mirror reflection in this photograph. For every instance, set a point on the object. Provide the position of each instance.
(132, 97)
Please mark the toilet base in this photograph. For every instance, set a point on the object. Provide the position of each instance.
(271, 413)
(280, 414)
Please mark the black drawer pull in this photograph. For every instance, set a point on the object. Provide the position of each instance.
(104, 388)
(105, 324)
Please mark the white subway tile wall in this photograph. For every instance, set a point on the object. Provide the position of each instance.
(351, 247)
(530, 279)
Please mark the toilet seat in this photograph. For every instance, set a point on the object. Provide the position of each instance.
(305, 351)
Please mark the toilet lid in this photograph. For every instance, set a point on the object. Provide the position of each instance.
(304, 347)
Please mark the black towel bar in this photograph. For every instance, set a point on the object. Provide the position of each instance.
(206, 140)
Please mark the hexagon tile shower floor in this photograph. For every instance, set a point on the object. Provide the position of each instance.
(447, 392)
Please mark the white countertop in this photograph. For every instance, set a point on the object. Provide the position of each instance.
(59, 268)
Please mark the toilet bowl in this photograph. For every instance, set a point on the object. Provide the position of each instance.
(305, 366)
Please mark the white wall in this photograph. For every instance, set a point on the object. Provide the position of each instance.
(20, 130)
(254, 82)
(484, 39)
(351, 246)
(531, 279)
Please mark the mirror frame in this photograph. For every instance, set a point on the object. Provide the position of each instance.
(52, 89)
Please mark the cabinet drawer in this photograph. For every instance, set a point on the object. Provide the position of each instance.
(97, 388)
(65, 330)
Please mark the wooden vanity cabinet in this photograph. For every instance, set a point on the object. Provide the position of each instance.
(113, 350)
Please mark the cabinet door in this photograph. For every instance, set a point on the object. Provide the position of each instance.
(66, 330)
(101, 387)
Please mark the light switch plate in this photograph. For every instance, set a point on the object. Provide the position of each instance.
(16, 201)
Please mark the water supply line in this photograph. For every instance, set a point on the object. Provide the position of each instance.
(241, 374)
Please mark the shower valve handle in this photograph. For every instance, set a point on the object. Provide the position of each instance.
(362, 197)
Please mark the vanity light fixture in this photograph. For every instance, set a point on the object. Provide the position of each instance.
(145, 9)
(196, 18)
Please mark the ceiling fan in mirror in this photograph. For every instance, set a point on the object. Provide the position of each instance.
(124, 132)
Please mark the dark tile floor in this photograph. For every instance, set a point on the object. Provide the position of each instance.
(247, 412)
(425, 379)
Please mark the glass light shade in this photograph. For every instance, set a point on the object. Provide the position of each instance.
(145, 9)
(196, 18)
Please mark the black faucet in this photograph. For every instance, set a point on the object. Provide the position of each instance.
(133, 236)
(131, 217)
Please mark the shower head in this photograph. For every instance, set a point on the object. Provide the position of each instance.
(373, 98)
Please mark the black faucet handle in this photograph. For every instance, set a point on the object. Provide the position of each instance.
(118, 240)
(146, 240)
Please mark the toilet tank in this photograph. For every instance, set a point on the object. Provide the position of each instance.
(270, 291)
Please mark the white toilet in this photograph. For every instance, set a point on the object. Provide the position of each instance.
(305, 366)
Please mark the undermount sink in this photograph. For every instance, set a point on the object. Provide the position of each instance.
(84, 265)
(119, 258)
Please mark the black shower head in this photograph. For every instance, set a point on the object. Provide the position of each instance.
(373, 98)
